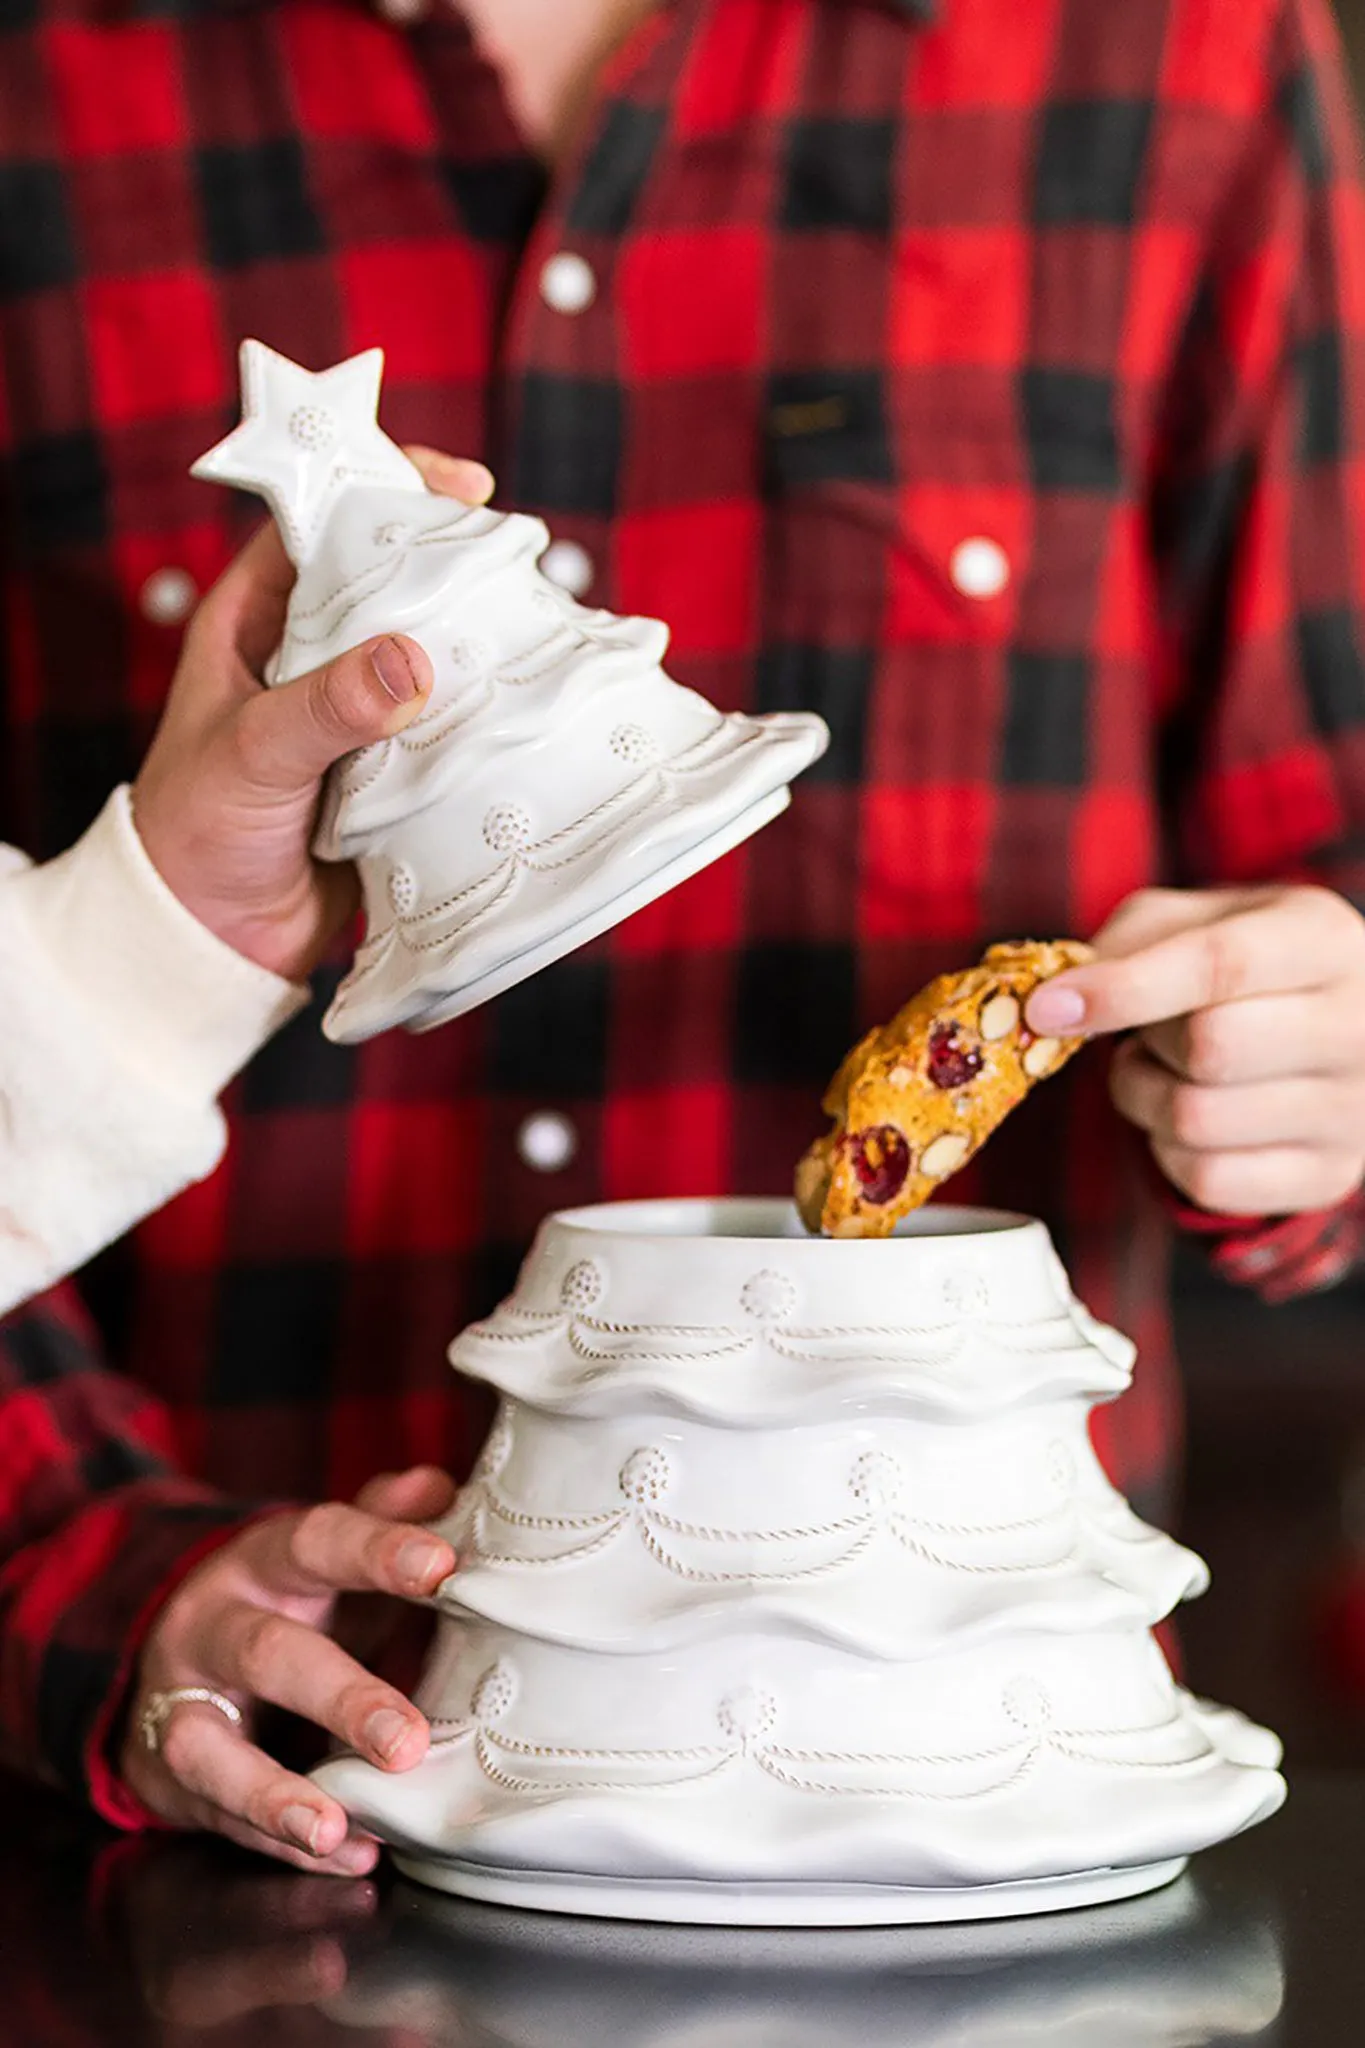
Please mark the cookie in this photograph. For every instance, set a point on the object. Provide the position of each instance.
(918, 1096)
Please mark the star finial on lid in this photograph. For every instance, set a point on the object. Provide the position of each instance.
(305, 437)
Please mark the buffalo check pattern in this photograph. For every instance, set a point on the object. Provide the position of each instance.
(874, 280)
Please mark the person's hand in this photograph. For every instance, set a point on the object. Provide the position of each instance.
(227, 798)
(1247, 1064)
(250, 1622)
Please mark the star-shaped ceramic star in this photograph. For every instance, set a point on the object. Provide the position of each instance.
(305, 437)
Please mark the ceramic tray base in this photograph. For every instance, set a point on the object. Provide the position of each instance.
(778, 1905)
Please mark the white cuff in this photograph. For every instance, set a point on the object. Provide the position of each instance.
(173, 998)
(121, 1019)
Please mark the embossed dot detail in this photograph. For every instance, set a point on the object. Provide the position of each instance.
(768, 1297)
(877, 1479)
(312, 427)
(506, 828)
(495, 1693)
(747, 1715)
(470, 659)
(1027, 1702)
(403, 889)
(581, 1288)
(965, 1291)
(646, 1476)
(391, 534)
(632, 743)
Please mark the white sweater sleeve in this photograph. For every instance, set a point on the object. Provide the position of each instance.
(121, 1020)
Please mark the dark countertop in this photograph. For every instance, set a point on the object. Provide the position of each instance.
(171, 1941)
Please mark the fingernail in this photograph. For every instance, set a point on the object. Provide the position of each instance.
(417, 1561)
(303, 1825)
(1056, 1010)
(395, 672)
(358, 1857)
(386, 1730)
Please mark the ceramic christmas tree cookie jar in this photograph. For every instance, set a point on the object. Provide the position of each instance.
(558, 779)
(792, 1591)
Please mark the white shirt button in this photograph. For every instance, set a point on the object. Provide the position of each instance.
(568, 283)
(547, 1141)
(979, 567)
(168, 597)
(569, 566)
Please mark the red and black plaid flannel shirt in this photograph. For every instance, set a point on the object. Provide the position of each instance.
(1086, 282)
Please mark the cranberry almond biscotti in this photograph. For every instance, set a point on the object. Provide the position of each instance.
(918, 1096)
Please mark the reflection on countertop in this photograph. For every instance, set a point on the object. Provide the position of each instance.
(172, 1942)
(1158, 1972)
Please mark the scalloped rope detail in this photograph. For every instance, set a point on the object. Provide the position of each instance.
(452, 717)
(544, 1318)
(595, 1356)
(704, 1532)
(767, 1762)
(1005, 1570)
(639, 1347)
(699, 1752)
(601, 1526)
(549, 1525)
(732, 1335)
(434, 726)
(697, 759)
(548, 654)
(461, 711)
(365, 768)
(785, 1764)
(698, 1577)
(575, 1553)
(1195, 1761)
(383, 572)
(700, 1532)
(509, 1781)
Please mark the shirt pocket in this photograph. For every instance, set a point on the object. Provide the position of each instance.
(926, 529)
(945, 615)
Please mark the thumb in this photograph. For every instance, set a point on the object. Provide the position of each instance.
(293, 734)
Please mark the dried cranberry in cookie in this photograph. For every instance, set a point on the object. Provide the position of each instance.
(881, 1160)
(951, 1063)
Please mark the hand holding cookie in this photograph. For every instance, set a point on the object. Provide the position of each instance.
(1247, 1067)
